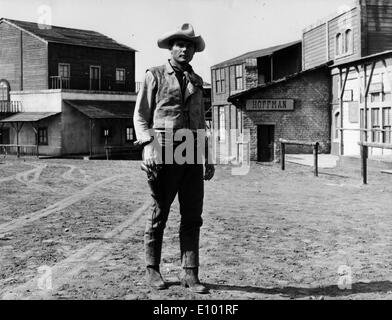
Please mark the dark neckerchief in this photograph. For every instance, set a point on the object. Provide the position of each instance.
(182, 74)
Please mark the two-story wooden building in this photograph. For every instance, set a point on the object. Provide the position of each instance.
(239, 74)
(358, 41)
(67, 91)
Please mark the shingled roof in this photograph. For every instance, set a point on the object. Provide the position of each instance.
(78, 37)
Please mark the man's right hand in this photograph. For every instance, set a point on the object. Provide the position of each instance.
(150, 157)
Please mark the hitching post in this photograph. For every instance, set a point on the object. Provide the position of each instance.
(364, 155)
(315, 156)
(282, 154)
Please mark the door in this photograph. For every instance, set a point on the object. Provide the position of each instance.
(5, 136)
(95, 78)
(265, 143)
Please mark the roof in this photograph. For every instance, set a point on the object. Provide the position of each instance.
(29, 116)
(269, 84)
(104, 109)
(78, 37)
(256, 54)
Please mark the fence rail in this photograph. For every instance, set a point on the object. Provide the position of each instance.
(315, 146)
(365, 153)
(18, 150)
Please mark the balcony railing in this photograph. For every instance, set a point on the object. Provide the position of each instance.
(10, 106)
(58, 82)
(85, 83)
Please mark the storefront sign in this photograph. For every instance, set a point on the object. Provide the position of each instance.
(270, 104)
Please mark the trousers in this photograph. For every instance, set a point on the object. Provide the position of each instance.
(187, 181)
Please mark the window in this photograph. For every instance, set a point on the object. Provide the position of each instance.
(4, 91)
(221, 124)
(348, 41)
(336, 125)
(339, 44)
(344, 43)
(43, 136)
(375, 119)
(387, 120)
(120, 75)
(219, 80)
(238, 77)
(64, 70)
(129, 134)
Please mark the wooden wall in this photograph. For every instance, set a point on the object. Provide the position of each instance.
(80, 59)
(34, 55)
(315, 47)
(378, 22)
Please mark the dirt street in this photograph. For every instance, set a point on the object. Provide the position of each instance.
(74, 229)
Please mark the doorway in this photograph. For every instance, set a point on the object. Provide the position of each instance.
(265, 143)
(95, 78)
(4, 136)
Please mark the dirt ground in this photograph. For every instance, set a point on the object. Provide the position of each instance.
(266, 235)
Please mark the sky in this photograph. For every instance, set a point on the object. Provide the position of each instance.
(229, 27)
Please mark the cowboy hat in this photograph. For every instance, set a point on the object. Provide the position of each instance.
(185, 32)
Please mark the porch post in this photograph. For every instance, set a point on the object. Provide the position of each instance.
(91, 138)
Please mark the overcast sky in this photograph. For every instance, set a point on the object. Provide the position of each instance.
(229, 27)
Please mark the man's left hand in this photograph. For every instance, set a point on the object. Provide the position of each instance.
(209, 171)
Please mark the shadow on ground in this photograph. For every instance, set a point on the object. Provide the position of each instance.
(298, 292)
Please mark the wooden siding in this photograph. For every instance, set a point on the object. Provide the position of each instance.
(315, 47)
(379, 26)
(10, 55)
(80, 60)
(35, 63)
(34, 70)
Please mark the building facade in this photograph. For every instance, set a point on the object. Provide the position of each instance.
(357, 41)
(240, 74)
(339, 93)
(64, 91)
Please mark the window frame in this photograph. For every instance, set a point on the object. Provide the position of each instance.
(45, 140)
(62, 64)
(220, 80)
(124, 75)
(130, 133)
(238, 78)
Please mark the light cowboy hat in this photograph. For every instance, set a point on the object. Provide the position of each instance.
(185, 32)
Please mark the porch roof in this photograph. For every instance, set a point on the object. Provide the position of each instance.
(104, 109)
(29, 116)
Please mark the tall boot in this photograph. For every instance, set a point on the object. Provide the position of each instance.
(154, 278)
(190, 279)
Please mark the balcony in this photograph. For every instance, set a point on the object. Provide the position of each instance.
(10, 107)
(85, 83)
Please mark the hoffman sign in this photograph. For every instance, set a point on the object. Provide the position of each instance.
(269, 104)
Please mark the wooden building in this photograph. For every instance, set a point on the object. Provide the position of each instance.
(240, 74)
(45, 71)
(358, 42)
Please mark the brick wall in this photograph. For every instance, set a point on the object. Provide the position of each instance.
(310, 119)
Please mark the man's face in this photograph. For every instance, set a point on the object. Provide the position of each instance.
(182, 51)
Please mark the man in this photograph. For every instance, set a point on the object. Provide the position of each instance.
(171, 99)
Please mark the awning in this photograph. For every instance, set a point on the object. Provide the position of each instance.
(104, 109)
(29, 116)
